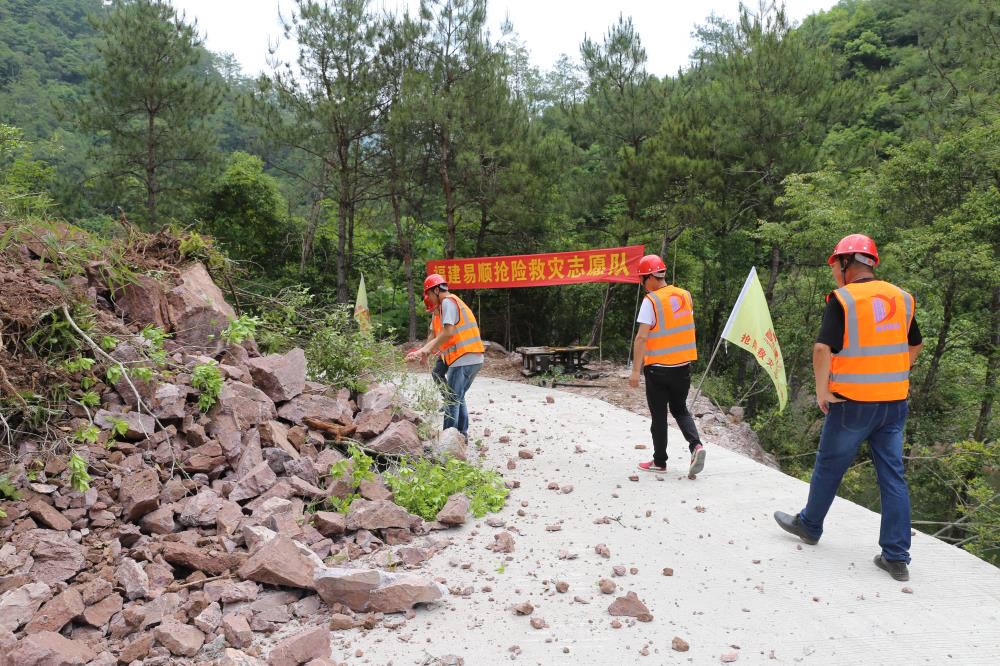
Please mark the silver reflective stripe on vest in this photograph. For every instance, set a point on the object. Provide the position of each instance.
(671, 350)
(672, 331)
(875, 378)
(874, 350)
(658, 309)
(850, 320)
(854, 348)
(464, 327)
(464, 343)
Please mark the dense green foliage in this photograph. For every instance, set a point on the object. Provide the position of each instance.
(423, 486)
(392, 140)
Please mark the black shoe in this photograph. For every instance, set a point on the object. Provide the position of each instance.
(897, 570)
(792, 525)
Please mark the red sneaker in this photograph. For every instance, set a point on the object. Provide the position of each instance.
(650, 467)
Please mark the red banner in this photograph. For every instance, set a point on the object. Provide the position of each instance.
(615, 264)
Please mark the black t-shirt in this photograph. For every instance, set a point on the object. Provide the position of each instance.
(831, 331)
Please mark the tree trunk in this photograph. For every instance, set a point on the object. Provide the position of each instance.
(342, 252)
(484, 222)
(595, 333)
(942, 342)
(772, 280)
(406, 247)
(449, 196)
(992, 370)
(312, 221)
(152, 186)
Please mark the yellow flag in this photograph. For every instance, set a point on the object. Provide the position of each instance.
(361, 308)
(750, 327)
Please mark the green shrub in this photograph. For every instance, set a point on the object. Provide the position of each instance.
(242, 328)
(79, 479)
(423, 486)
(208, 380)
(358, 465)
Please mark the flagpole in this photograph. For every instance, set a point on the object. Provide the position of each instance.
(702, 382)
(638, 292)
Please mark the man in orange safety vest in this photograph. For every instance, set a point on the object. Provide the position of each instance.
(663, 350)
(455, 334)
(867, 343)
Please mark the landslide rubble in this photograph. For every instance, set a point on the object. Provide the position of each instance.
(202, 533)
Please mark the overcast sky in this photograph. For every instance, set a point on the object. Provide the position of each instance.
(548, 27)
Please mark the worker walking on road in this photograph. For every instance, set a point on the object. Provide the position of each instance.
(867, 343)
(455, 333)
(663, 350)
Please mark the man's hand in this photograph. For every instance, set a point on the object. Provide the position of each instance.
(418, 354)
(824, 397)
(633, 380)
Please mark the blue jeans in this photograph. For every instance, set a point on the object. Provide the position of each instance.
(456, 414)
(846, 426)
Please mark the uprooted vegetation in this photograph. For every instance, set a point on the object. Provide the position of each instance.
(160, 467)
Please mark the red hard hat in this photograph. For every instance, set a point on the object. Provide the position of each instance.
(650, 264)
(855, 243)
(433, 280)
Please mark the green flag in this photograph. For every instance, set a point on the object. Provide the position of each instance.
(361, 308)
(750, 327)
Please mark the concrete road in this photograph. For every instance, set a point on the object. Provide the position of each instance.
(740, 586)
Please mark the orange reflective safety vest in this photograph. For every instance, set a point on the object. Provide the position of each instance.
(466, 339)
(874, 363)
(671, 339)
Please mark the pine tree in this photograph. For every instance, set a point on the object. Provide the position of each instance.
(149, 99)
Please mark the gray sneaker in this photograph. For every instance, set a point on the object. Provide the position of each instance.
(792, 525)
(898, 570)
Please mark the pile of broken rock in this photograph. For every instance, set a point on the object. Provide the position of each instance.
(196, 542)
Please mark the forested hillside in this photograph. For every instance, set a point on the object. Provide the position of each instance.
(391, 140)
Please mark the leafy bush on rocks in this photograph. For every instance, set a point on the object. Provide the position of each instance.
(423, 486)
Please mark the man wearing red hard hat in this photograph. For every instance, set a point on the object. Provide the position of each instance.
(663, 350)
(455, 334)
(867, 343)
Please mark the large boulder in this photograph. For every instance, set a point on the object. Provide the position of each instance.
(351, 587)
(400, 438)
(399, 592)
(256, 481)
(198, 311)
(182, 640)
(455, 510)
(303, 647)
(200, 510)
(378, 397)
(319, 407)
(248, 404)
(373, 422)
(139, 493)
(378, 515)
(280, 376)
(451, 444)
(376, 591)
(47, 648)
(54, 615)
(138, 426)
(193, 558)
(19, 605)
(143, 301)
(56, 557)
(280, 562)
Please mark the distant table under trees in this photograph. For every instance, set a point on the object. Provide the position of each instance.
(535, 360)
